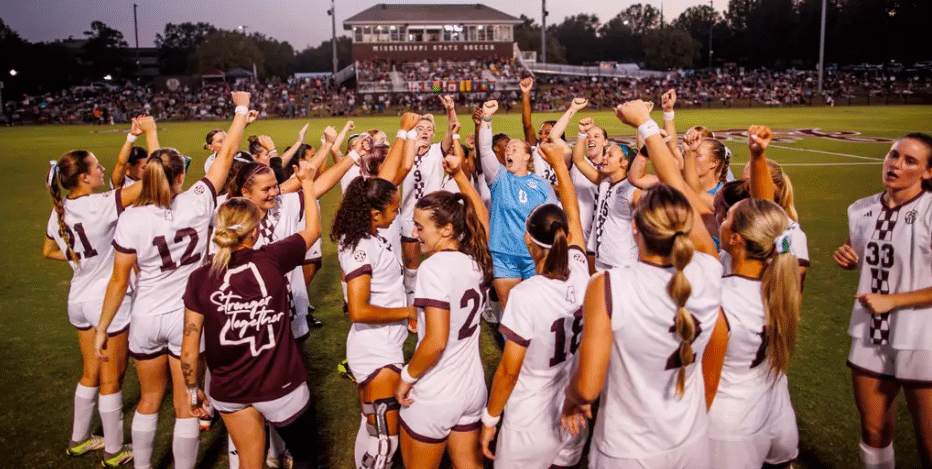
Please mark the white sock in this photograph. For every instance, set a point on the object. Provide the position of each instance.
(185, 442)
(362, 440)
(276, 443)
(110, 407)
(409, 281)
(877, 458)
(232, 454)
(85, 399)
(143, 431)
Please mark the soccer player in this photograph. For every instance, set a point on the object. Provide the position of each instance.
(164, 235)
(890, 243)
(543, 323)
(241, 302)
(651, 320)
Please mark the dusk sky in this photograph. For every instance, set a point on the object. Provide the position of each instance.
(302, 23)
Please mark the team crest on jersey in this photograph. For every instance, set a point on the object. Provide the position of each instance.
(359, 255)
(570, 294)
(168, 215)
(911, 217)
(198, 189)
(249, 322)
(579, 257)
(532, 184)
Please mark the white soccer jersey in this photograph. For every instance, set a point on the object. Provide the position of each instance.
(612, 238)
(639, 392)
(587, 194)
(447, 183)
(371, 346)
(742, 404)
(542, 168)
(352, 173)
(894, 247)
(90, 222)
(285, 218)
(799, 247)
(452, 281)
(425, 177)
(169, 244)
(545, 316)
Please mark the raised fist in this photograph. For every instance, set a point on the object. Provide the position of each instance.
(552, 153)
(526, 85)
(409, 120)
(447, 102)
(579, 104)
(454, 126)
(306, 170)
(668, 100)
(330, 134)
(759, 138)
(585, 124)
(477, 116)
(240, 98)
(146, 124)
(489, 108)
(266, 142)
(251, 116)
(691, 141)
(633, 113)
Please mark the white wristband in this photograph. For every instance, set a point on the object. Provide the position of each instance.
(131, 138)
(401, 134)
(668, 116)
(412, 134)
(406, 377)
(272, 152)
(456, 136)
(648, 129)
(241, 110)
(582, 136)
(488, 420)
(354, 156)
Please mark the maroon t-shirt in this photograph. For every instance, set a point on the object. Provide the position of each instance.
(250, 350)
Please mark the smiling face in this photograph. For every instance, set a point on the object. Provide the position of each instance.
(385, 218)
(431, 237)
(544, 132)
(216, 142)
(595, 142)
(94, 177)
(613, 164)
(263, 190)
(906, 165)
(517, 155)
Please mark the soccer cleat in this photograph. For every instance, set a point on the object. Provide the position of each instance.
(92, 443)
(272, 462)
(313, 322)
(123, 456)
(287, 460)
(343, 369)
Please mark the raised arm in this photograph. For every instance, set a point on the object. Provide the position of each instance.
(566, 191)
(118, 175)
(487, 158)
(637, 114)
(576, 105)
(667, 103)
(637, 172)
(311, 231)
(289, 153)
(579, 152)
(529, 133)
(691, 142)
(450, 106)
(217, 175)
(761, 184)
(454, 165)
(147, 125)
(393, 168)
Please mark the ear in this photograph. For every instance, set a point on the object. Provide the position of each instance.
(375, 215)
(736, 239)
(446, 230)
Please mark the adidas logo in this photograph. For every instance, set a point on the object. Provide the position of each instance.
(868, 214)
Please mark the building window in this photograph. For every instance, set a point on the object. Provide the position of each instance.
(357, 34)
(503, 33)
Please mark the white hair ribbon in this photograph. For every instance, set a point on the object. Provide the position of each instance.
(235, 227)
(53, 172)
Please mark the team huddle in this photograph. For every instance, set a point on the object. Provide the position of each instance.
(664, 305)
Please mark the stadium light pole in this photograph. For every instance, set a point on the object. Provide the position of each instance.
(822, 48)
(333, 17)
(136, 30)
(543, 31)
(711, 28)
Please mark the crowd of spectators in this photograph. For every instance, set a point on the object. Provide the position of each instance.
(380, 71)
(320, 98)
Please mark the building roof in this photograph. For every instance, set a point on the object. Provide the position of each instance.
(419, 14)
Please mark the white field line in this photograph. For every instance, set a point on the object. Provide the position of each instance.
(830, 164)
(824, 153)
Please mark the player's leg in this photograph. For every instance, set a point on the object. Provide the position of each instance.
(112, 372)
(464, 449)
(919, 400)
(419, 454)
(85, 398)
(875, 397)
(381, 420)
(411, 255)
(187, 429)
(503, 287)
(153, 379)
(247, 430)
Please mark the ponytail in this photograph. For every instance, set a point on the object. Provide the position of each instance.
(235, 221)
(680, 289)
(162, 168)
(64, 174)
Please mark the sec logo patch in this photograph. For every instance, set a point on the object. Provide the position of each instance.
(359, 255)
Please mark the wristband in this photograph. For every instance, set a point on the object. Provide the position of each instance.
(241, 110)
(131, 138)
(401, 134)
(354, 156)
(668, 116)
(272, 152)
(412, 134)
(456, 136)
(648, 129)
(406, 377)
(582, 136)
(488, 420)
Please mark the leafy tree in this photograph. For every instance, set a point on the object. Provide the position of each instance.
(698, 21)
(279, 57)
(177, 44)
(527, 35)
(580, 31)
(102, 53)
(618, 41)
(641, 18)
(667, 48)
(224, 50)
(319, 59)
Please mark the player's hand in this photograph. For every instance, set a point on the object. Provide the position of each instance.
(452, 163)
(266, 142)
(349, 125)
(251, 116)
(876, 303)
(412, 325)
(100, 344)
(668, 100)
(585, 124)
(448, 103)
(759, 138)
(845, 257)
(421, 147)
(489, 108)
(134, 126)
(691, 141)
(486, 437)
(552, 153)
(303, 132)
(454, 126)
(240, 98)
(409, 120)
(579, 104)
(573, 417)
(306, 171)
(403, 393)
(477, 116)
(471, 142)
(633, 113)
(526, 85)
(330, 134)
(198, 406)
(146, 124)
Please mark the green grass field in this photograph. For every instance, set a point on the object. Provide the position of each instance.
(42, 361)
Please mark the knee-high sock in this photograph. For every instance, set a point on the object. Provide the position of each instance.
(111, 416)
(85, 399)
(362, 441)
(276, 443)
(877, 458)
(232, 454)
(185, 442)
(144, 426)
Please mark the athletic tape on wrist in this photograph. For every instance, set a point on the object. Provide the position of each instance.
(412, 134)
(354, 156)
(582, 136)
(456, 136)
(401, 134)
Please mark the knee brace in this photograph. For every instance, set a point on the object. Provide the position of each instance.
(379, 431)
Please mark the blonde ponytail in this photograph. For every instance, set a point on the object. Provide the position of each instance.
(236, 219)
(64, 174)
(679, 290)
(162, 168)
